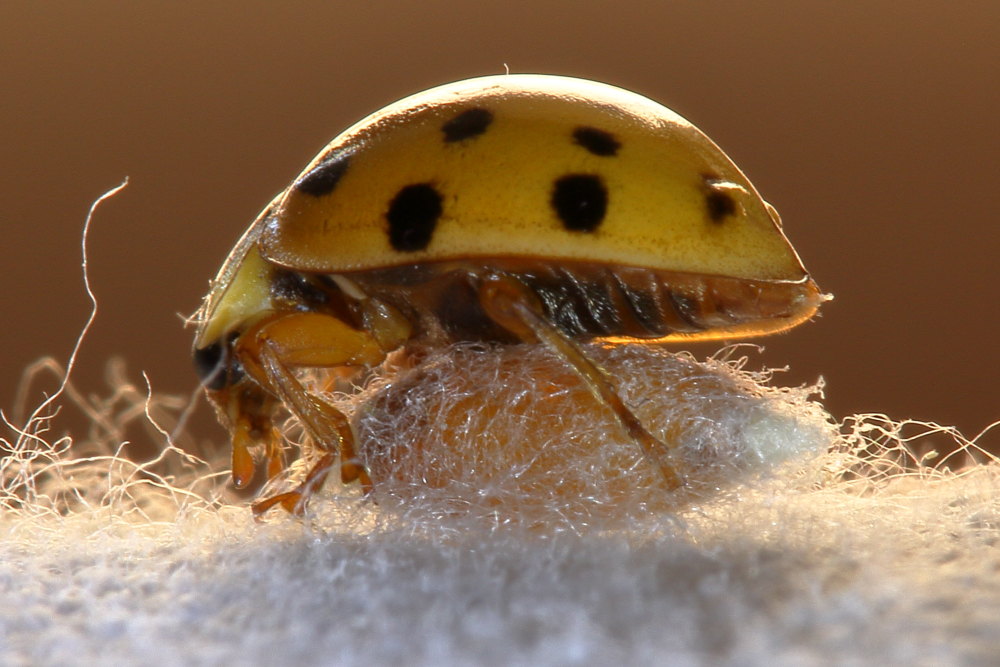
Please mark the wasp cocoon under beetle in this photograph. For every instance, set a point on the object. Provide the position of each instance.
(508, 434)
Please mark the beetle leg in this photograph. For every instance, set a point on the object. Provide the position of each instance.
(324, 424)
(270, 351)
(248, 410)
(509, 303)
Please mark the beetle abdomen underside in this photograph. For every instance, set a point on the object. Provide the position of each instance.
(590, 300)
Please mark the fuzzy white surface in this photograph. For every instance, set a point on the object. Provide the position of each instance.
(908, 578)
(793, 565)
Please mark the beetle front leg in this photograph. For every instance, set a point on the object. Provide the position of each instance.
(511, 304)
(270, 351)
(249, 411)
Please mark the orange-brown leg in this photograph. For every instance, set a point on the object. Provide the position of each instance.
(325, 424)
(269, 352)
(512, 305)
(249, 410)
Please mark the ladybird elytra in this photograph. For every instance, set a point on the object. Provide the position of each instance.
(664, 180)
(509, 208)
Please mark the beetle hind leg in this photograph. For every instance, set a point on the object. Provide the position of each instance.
(511, 304)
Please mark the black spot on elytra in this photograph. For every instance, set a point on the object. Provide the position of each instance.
(468, 124)
(413, 214)
(720, 205)
(323, 178)
(719, 202)
(580, 201)
(597, 141)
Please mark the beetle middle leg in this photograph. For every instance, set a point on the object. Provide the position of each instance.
(511, 304)
(271, 350)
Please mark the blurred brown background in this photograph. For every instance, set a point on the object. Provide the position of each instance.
(872, 126)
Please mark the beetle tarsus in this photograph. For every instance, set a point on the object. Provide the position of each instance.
(292, 501)
(295, 501)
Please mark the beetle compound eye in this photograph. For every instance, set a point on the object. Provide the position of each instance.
(215, 366)
(208, 364)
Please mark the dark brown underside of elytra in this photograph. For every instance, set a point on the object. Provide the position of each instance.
(589, 300)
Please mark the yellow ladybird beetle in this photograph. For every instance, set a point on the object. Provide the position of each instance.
(511, 208)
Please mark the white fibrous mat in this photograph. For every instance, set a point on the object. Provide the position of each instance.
(512, 522)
